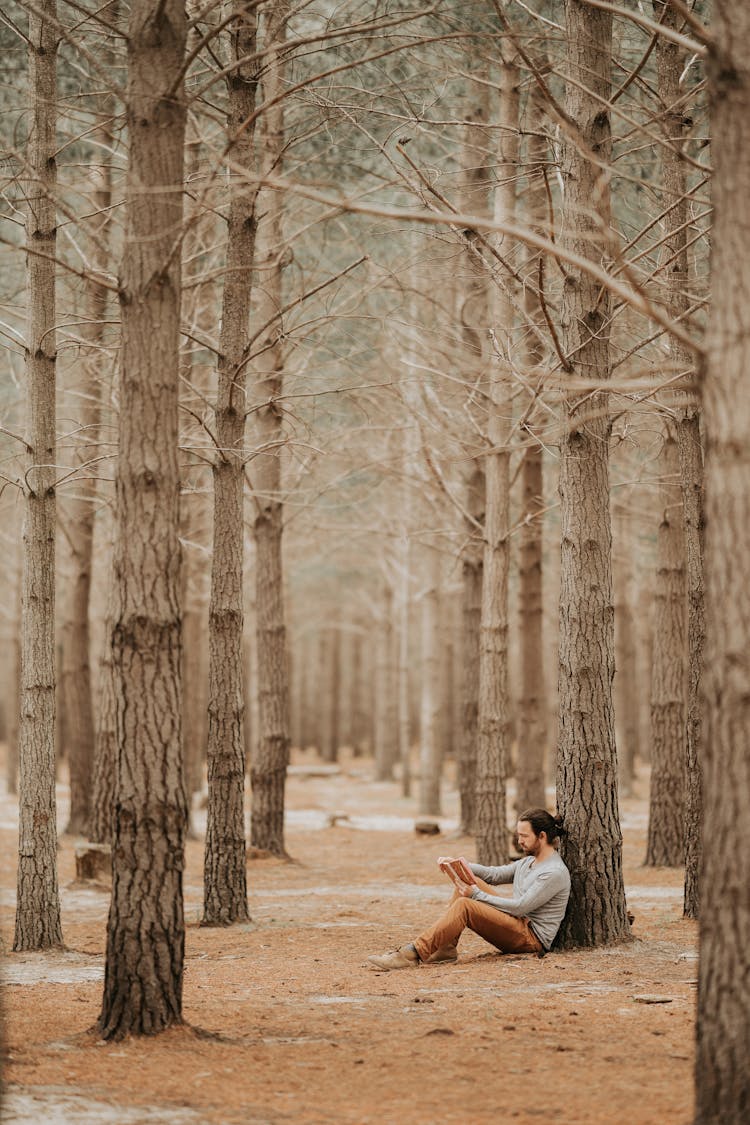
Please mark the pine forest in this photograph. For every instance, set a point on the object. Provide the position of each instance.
(374, 479)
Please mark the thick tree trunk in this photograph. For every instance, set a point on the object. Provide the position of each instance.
(664, 844)
(723, 1048)
(670, 61)
(268, 771)
(146, 929)
(38, 900)
(225, 867)
(587, 760)
(493, 749)
(532, 704)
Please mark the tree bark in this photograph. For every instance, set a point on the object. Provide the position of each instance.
(13, 685)
(587, 759)
(532, 705)
(225, 866)
(196, 393)
(430, 758)
(403, 676)
(723, 1036)
(627, 695)
(471, 603)
(474, 319)
(146, 928)
(665, 843)
(105, 740)
(670, 59)
(492, 836)
(38, 901)
(76, 642)
(268, 770)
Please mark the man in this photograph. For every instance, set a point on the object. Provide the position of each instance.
(527, 922)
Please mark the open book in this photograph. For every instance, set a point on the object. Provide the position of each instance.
(456, 869)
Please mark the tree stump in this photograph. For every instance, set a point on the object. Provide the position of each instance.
(427, 828)
(93, 863)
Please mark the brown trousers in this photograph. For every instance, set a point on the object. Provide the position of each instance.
(506, 933)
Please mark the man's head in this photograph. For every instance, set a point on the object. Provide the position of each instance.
(536, 829)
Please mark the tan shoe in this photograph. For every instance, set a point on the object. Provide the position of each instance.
(444, 954)
(403, 958)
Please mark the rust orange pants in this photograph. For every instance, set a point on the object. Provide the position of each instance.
(506, 933)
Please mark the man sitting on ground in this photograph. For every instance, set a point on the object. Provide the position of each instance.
(525, 923)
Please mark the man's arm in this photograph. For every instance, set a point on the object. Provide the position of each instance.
(546, 885)
(494, 875)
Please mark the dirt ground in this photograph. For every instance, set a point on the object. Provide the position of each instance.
(284, 1023)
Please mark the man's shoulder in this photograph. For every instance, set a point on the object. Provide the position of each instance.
(560, 863)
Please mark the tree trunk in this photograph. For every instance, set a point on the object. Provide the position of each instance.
(627, 696)
(473, 314)
(493, 748)
(404, 679)
(471, 599)
(360, 712)
(670, 60)
(330, 667)
(723, 1046)
(105, 741)
(691, 472)
(146, 929)
(38, 901)
(532, 704)
(587, 759)
(196, 392)
(385, 748)
(268, 771)
(430, 762)
(664, 844)
(13, 685)
(76, 643)
(225, 866)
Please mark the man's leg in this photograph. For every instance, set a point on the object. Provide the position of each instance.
(506, 933)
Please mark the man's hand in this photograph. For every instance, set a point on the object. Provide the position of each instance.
(466, 889)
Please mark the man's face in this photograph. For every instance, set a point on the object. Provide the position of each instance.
(528, 842)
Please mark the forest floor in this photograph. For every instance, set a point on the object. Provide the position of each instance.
(284, 1022)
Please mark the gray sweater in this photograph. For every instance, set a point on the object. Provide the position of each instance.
(540, 892)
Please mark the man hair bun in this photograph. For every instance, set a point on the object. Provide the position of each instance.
(559, 826)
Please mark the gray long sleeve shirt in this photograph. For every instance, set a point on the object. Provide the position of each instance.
(540, 892)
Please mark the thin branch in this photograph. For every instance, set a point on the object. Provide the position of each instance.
(631, 295)
(651, 25)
